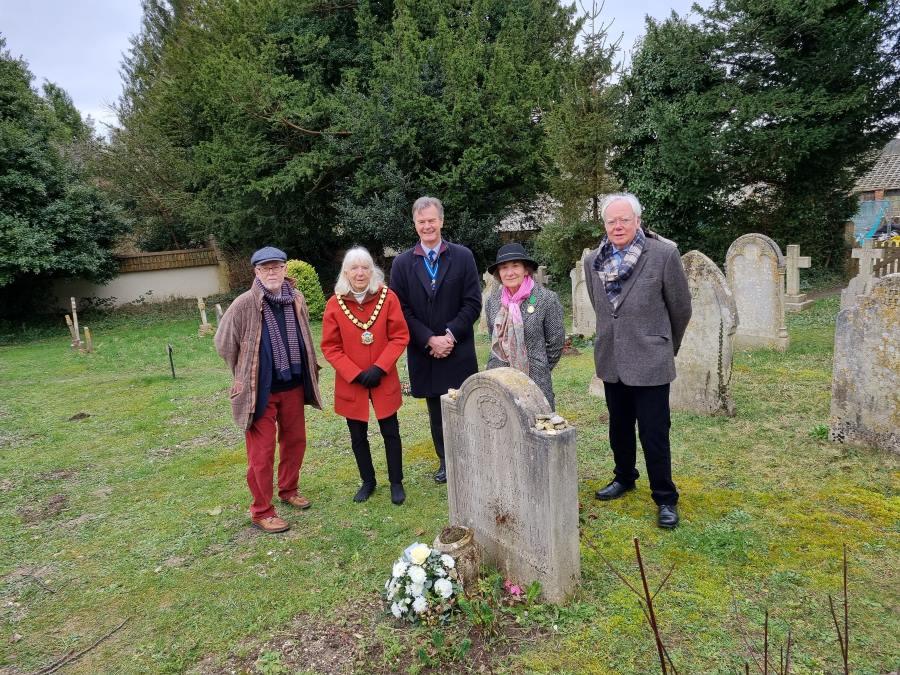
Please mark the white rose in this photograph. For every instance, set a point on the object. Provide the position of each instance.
(444, 588)
(397, 610)
(448, 561)
(416, 589)
(419, 605)
(419, 553)
(400, 568)
(417, 574)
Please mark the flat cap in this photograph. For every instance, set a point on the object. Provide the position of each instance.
(268, 254)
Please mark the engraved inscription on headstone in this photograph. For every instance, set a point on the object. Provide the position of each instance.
(584, 319)
(514, 485)
(865, 385)
(755, 271)
(703, 364)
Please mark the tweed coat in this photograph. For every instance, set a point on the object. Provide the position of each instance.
(238, 336)
(456, 305)
(545, 335)
(342, 347)
(637, 341)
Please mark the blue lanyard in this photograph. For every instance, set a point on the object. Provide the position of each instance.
(432, 270)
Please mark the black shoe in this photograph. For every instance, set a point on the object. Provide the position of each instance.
(668, 516)
(398, 496)
(365, 491)
(440, 476)
(613, 491)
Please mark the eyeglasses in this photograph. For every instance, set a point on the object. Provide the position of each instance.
(616, 221)
(277, 267)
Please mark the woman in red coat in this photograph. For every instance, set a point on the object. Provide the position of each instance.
(363, 335)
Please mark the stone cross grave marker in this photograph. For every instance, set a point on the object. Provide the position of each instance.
(490, 283)
(859, 285)
(703, 364)
(205, 327)
(514, 485)
(541, 275)
(755, 271)
(584, 319)
(865, 383)
(794, 300)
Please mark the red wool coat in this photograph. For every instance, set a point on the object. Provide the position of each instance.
(343, 348)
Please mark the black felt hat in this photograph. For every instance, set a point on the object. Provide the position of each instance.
(511, 253)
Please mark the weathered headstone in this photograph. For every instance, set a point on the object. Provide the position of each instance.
(205, 327)
(861, 283)
(514, 485)
(584, 319)
(219, 313)
(703, 364)
(755, 271)
(865, 385)
(794, 300)
(490, 283)
(541, 275)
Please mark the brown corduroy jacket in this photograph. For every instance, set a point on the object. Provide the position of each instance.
(237, 341)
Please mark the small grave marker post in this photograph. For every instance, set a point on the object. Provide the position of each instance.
(75, 331)
(171, 360)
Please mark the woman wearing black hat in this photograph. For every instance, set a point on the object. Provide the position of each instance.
(525, 320)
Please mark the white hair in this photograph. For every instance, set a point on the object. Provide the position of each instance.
(355, 255)
(620, 196)
(424, 203)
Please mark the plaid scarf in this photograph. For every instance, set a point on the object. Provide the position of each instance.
(509, 330)
(612, 275)
(287, 360)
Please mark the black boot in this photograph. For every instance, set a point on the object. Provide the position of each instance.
(365, 491)
(440, 476)
(398, 496)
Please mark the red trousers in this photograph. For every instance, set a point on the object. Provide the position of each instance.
(284, 412)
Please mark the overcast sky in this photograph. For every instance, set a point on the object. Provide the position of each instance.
(79, 44)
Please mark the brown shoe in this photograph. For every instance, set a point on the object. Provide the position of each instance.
(298, 501)
(272, 524)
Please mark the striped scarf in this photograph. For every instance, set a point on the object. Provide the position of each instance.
(614, 275)
(287, 360)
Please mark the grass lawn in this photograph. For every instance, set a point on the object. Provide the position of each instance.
(139, 512)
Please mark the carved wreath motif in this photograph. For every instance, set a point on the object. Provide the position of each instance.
(492, 411)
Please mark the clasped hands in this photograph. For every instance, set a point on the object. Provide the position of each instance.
(370, 377)
(440, 346)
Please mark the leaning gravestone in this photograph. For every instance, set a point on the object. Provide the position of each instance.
(755, 270)
(584, 319)
(490, 283)
(514, 485)
(704, 361)
(865, 385)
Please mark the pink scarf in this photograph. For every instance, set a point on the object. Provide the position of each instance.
(509, 332)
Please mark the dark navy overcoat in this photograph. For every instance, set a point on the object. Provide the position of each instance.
(455, 303)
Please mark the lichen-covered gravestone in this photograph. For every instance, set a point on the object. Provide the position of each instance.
(514, 485)
(703, 364)
(755, 269)
(584, 318)
(865, 385)
(861, 283)
(490, 283)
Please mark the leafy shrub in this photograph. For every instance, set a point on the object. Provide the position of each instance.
(308, 282)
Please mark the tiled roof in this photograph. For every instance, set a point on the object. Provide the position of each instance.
(885, 174)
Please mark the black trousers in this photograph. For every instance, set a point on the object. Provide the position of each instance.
(393, 448)
(437, 424)
(649, 407)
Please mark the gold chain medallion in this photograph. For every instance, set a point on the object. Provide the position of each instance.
(367, 336)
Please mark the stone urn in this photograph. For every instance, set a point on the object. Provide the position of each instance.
(459, 543)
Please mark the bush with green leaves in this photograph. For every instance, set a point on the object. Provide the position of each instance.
(308, 282)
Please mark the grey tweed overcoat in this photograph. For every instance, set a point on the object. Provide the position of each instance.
(545, 336)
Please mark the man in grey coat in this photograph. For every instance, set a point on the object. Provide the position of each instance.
(640, 294)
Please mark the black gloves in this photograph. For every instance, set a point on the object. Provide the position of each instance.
(370, 377)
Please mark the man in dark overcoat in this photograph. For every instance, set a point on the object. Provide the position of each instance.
(439, 290)
(639, 290)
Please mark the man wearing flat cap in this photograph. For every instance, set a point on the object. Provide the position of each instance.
(264, 338)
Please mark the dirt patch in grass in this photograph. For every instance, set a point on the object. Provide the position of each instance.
(365, 640)
(32, 513)
(6, 485)
(57, 474)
